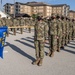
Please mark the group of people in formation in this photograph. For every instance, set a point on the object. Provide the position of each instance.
(17, 21)
(58, 30)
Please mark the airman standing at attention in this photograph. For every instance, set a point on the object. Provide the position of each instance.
(52, 35)
(30, 24)
(73, 29)
(63, 32)
(22, 23)
(15, 23)
(0, 21)
(70, 30)
(66, 30)
(39, 38)
(59, 32)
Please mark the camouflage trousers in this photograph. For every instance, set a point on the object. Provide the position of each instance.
(70, 36)
(73, 35)
(52, 43)
(66, 38)
(29, 29)
(21, 29)
(39, 48)
(14, 31)
(59, 43)
(63, 41)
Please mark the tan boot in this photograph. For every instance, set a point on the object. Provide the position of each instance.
(62, 47)
(36, 61)
(49, 54)
(52, 54)
(58, 49)
(40, 62)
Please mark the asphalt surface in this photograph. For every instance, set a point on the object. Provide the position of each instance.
(19, 52)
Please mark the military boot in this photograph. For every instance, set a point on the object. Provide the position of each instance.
(40, 62)
(49, 54)
(52, 54)
(68, 41)
(62, 47)
(58, 49)
(72, 38)
(65, 44)
(36, 61)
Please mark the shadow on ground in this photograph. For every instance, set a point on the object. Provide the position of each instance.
(25, 43)
(17, 49)
(31, 40)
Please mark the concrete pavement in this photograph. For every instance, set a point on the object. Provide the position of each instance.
(19, 53)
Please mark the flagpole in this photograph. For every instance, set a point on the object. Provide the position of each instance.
(1, 5)
(14, 8)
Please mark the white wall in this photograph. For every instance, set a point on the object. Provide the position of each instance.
(2, 14)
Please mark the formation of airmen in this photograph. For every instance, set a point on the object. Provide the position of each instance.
(19, 21)
(58, 30)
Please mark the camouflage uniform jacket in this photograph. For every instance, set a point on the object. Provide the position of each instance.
(63, 27)
(59, 28)
(0, 22)
(22, 22)
(8, 22)
(39, 30)
(70, 26)
(53, 28)
(15, 22)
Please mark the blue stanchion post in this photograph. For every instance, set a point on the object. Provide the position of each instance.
(3, 32)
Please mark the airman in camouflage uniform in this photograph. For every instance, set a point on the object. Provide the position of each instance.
(73, 29)
(39, 38)
(46, 28)
(66, 30)
(7, 23)
(70, 30)
(63, 32)
(22, 23)
(52, 35)
(3, 22)
(59, 33)
(0, 21)
(30, 24)
(15, 23)
(27, 22)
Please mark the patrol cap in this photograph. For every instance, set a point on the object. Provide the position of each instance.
(39, 18)
(40, 14)
(53, 16)
(72, 19)
(57, 16)
(62, 17)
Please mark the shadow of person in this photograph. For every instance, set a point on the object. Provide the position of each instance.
(25, 43)
(72, 43)
(30, 38)
(27, 40)
(15, 48)
(71, 46)
(70, 51)
(31, 41)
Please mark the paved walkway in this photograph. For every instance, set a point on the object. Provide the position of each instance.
(19, 53)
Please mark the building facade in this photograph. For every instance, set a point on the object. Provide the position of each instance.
(9, 8)
(61, 9)
(37, 7)
(72, 14)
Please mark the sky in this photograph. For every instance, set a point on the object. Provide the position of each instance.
(68, 2)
